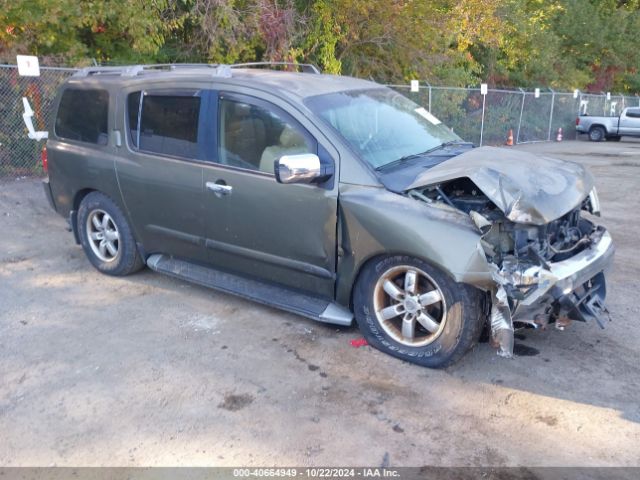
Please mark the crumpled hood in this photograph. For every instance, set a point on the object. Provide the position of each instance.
(528, 188)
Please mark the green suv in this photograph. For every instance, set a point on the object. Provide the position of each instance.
(331, 197)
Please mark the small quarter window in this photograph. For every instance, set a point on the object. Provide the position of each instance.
(168, 123)
(83, 116)
(133, 109)
(633, 113)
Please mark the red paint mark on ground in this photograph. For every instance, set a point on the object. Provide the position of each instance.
(358, 342)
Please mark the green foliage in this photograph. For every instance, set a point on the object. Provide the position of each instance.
(564, 44)
(323, 38)
(75, 31)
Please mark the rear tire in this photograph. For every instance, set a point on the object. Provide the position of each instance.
(429, 319)
(106, 237)
(597, 134)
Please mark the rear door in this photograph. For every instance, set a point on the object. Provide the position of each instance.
(284, 234)
(630, 122)
(79, 151)
(160, 175)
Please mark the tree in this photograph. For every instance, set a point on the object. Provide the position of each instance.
(564, 44)
(73, 32)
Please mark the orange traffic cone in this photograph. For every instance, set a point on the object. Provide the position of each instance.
(559, 136)
(510, 138)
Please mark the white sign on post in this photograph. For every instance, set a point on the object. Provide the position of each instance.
(415, 86)
(576, 92)
(608, 95)
(583, 106)
(536, 93)
(28, 66)
(484, 88)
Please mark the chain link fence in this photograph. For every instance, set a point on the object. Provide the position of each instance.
(531, 117)
(19, 155)
(481, 119)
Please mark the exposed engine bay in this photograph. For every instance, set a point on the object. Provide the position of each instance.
(532, 263)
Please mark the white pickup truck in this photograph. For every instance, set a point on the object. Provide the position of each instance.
(610, 128)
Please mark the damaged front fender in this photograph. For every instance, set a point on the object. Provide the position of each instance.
(444, 237)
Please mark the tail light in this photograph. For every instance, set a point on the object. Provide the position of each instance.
(45, 160)
(577, 120)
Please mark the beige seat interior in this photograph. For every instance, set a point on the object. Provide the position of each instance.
(291, 142)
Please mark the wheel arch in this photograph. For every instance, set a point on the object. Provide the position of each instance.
(598, 125)
(73, 214)
(79, 196)
(407, 227)
(386, 254)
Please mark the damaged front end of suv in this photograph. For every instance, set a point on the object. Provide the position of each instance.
(534, 216)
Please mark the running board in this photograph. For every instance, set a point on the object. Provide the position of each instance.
(265, 293)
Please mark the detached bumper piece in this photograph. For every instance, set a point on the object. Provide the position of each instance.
(585, 303)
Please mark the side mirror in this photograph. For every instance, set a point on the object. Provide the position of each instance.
(302, 168)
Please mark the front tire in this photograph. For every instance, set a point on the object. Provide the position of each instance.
(411, 310)
(597, 134)
(106, 237)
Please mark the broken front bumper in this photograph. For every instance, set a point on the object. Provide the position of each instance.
(573, 287)
(564, 277)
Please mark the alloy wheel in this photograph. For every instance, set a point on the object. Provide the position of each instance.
(103, 235)
(409, 306)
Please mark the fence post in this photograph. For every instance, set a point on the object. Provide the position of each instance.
(553, 98)
(483, 92)
(524, 95)
(579, 97)
(429, 87)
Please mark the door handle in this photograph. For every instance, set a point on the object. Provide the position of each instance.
(219, 188)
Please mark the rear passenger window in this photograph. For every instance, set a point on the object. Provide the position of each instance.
(633, 113)
(83, 116)
(166, 124)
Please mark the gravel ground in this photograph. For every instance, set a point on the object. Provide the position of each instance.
(148, 370)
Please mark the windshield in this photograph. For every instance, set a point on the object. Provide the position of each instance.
(381, 125)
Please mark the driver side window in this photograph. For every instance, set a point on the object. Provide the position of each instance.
(253, 136)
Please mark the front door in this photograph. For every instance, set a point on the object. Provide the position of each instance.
(284, 234)
(630, 122)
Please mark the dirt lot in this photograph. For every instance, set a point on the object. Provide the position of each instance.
(148, 370)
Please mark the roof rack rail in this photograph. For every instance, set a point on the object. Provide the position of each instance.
(221, 70)
(218, 69)
(174, 66)
(305, 67)
(125, 71)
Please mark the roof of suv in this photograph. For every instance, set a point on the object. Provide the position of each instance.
(301, 85)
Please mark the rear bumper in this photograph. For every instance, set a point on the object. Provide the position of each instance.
(581, 129)
(47, 193)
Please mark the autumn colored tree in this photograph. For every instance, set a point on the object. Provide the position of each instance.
(76, 31)
(565, 44)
